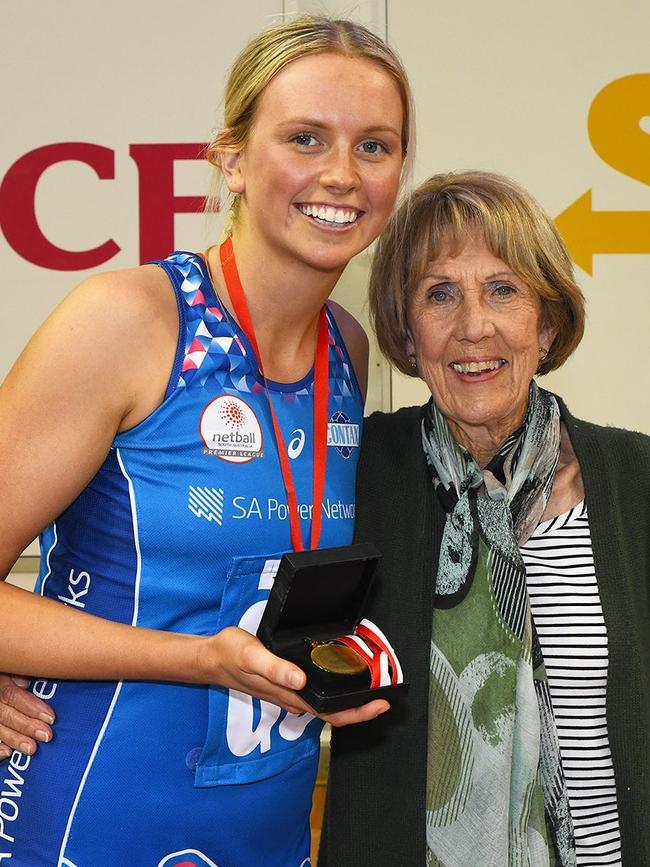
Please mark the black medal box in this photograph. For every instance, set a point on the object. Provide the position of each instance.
(317, 597)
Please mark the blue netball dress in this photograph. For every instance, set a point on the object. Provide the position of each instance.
(182, 529)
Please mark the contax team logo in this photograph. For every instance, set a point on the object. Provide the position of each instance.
(342, 434)
(230, 430)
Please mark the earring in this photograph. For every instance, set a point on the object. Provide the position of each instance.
(413, 362)
(542, 353)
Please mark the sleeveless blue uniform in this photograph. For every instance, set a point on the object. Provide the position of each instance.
(182, 529)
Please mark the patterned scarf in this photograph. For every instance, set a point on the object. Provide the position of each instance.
(496, 792)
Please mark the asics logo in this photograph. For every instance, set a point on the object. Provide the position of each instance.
(296, 443)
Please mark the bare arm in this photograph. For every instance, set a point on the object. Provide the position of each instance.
(71, 391)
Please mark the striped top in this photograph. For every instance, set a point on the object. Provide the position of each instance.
(569, 618)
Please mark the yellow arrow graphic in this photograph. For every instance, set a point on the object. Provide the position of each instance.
(588, 233)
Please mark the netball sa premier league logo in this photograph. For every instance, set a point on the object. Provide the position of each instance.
(230, 430)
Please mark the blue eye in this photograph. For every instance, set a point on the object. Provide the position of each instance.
(305, 139)
(439, 295)
(503, 290)
(372, 147)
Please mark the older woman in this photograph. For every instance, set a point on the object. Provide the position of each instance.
(515, 571)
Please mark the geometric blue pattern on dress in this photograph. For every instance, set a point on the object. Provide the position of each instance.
(214, 349)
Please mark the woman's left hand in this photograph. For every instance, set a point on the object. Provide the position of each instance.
(24, 719)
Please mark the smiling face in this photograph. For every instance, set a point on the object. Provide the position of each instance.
(320, 171)
(476, 330)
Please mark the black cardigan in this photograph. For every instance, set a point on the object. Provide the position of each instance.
(375, 812)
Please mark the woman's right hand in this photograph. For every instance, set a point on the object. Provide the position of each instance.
(238, 660)
(233, 658)
(24, 719)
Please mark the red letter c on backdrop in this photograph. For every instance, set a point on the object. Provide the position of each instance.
(17, 211)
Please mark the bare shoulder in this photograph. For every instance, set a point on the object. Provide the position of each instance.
(356, 341)
(126, 324)
(134, 297)
(99, 364)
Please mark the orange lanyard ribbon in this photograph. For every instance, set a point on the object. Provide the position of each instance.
(321, 388)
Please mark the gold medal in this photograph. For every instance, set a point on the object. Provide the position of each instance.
(337, 659)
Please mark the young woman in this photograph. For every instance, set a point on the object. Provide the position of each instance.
(174, 422)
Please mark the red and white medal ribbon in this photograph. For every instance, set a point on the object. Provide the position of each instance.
(370, 643)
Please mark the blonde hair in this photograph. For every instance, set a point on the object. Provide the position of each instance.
(268, 53)
(444, 211)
